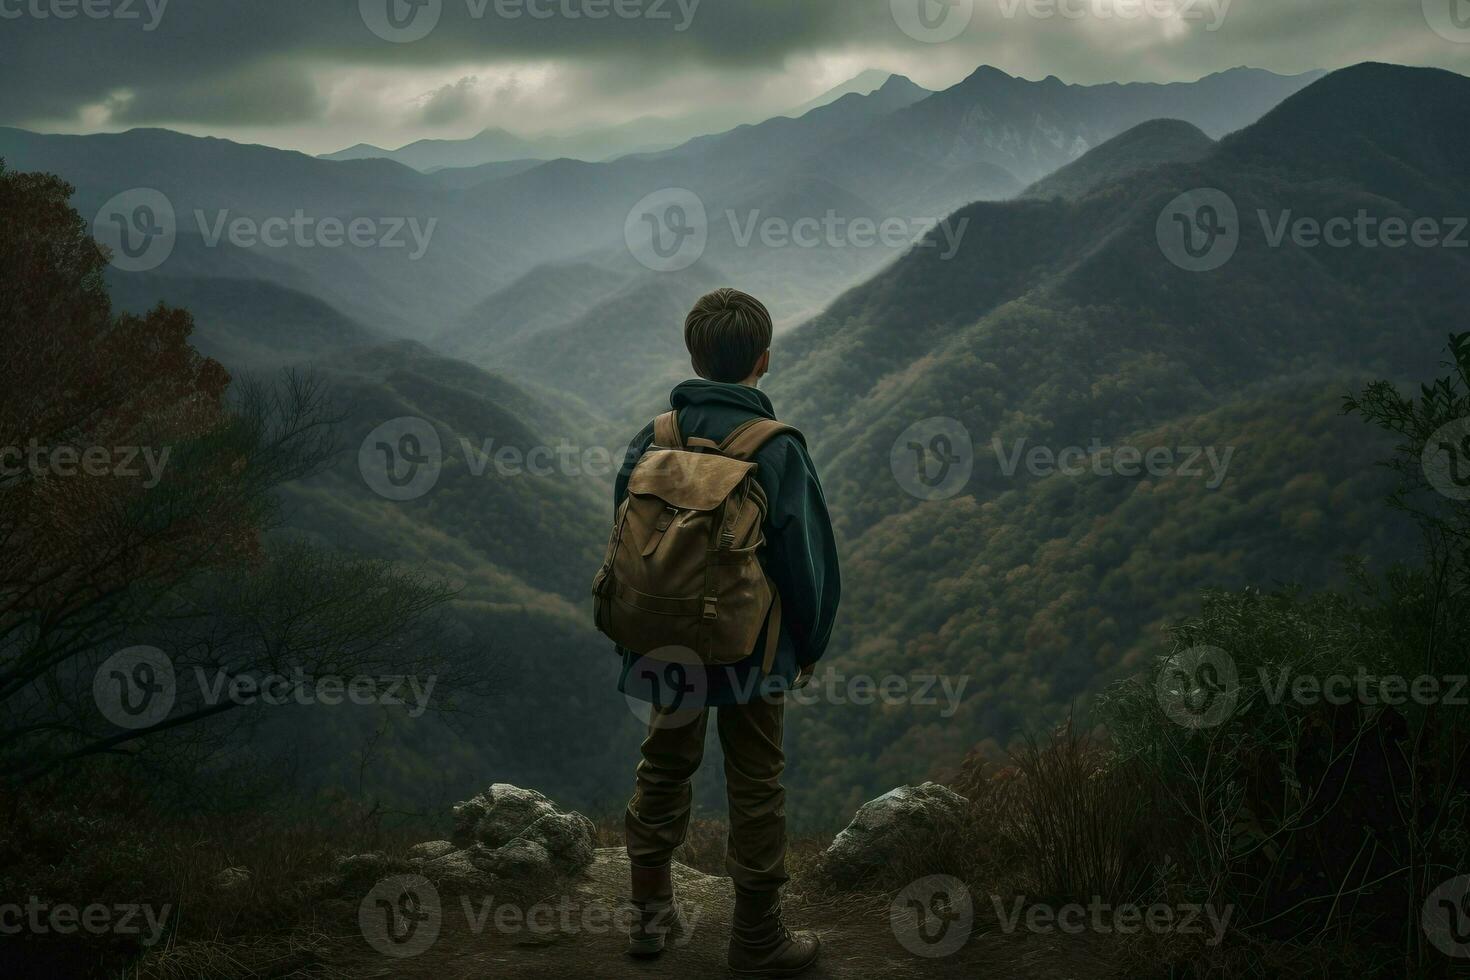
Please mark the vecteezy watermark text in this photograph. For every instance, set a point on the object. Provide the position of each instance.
(138, 687)
(38, 917)
(1211, 12)
(670, 229)
(1188, 462)
(1099, 916)
(123, 462)
(406, 21)
(402, 916)
(308, 231)
(1202, 229)
(121, 10)
(141, 229)
(833, 230)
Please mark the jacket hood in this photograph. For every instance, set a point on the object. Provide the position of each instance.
(708, 394)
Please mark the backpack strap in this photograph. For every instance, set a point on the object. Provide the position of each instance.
(749, 437)
(666, 433)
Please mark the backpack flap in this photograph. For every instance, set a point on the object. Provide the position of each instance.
(687, 481)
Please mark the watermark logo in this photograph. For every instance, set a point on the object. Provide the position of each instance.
(1363, 230)
(39, 918)
(566, 458)
(401, 459)
(933, 916)
(138, 687)
(1199, 230)
(893, 690)
(135, 688)
(310, 231)
(1364, 688)
(139, 227)
(1450, 19)
(1206, 463)
(933, 21)
(401, 21)
(933, 458)
(1198, 687)
(1211, 12)
(142, 463)
(401, 916)
(672, 677)
(122, 10)
(1446, 459)
(1105, 918)
(836, 231)
(668, 230)
(1446, 917)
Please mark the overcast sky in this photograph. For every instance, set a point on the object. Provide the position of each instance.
(319, 75)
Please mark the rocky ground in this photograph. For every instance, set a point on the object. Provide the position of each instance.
(522, 892)
(589, 941)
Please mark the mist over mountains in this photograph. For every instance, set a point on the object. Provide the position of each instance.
(441, 244)
(496, 145)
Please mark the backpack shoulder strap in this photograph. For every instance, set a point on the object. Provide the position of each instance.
(666, 433)
(749, 437)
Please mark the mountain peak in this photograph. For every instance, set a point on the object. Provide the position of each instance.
(987, 73)
(873, 81)
(899, 84)
(495, 133)
(1388, 125)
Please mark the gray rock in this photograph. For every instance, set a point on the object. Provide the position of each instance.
(361, 867)
(898, 821)
(506, 815)
(232, 879)
(467, 869)
(498, 815)
(518, 859)
(568, 839)
(429, 850)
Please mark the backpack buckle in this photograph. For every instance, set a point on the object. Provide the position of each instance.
(710, 607)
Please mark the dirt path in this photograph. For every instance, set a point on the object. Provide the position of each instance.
(578, 932)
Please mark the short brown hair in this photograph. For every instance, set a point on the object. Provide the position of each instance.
(726, 333)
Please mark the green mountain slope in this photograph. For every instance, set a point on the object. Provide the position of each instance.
(246, 323)
(1063, 323)
(1145, 145)
(520, 539)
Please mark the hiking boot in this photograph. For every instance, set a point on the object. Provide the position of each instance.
(657, 915)
(760, 943)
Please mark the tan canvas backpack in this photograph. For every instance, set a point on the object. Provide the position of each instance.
(682, 575)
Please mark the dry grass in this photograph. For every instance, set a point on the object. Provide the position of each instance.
(298, 957)
(99, 842)
(1081, 821)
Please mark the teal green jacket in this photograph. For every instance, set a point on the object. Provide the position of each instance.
(800, 554)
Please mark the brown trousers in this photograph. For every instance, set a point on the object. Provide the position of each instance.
(658, 815)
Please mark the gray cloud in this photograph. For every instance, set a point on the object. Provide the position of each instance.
(257, 94)
(275, 66)
(452, 103)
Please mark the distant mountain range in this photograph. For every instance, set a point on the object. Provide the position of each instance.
(860, 84)
(496, 145)
(896, 153)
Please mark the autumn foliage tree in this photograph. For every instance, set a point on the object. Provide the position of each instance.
(100, 552)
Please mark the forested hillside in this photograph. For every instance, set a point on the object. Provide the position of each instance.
(1064, 324)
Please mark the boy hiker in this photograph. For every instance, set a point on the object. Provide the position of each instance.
(720, 587)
